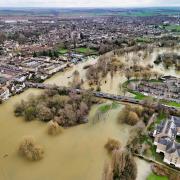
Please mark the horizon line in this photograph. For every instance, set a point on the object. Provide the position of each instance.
(89, 7)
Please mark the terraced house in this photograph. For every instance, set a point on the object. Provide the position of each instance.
(165, 136)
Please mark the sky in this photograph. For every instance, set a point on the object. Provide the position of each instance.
(88, 3)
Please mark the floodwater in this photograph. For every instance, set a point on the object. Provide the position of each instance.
(108, 84)
(160, 68)
(113, 84)
(76, 154)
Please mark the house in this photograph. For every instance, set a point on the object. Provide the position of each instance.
(165, 139)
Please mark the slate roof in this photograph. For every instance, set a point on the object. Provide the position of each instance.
(176, 120)
(168, 129)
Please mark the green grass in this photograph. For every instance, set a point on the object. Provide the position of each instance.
(81, 50)
(84, 50)
(152, 176)
(105, 108)
(157, 121)
(175, 28)
(143, 39)
(63, 51)
(161, 117)
(171, 103)
(138, 95)
(141, 96)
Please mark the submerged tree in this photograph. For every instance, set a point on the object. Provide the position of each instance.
(112, 144)
(30, 149)
(54, 128)
(122, 167)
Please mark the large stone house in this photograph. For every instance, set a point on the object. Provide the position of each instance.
(165, 140)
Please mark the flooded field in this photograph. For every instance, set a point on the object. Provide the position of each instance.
(112, 84)
(76, 154)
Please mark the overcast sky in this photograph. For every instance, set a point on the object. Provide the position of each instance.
(88, 3)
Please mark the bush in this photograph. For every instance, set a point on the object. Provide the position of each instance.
(54, 128)
(19, 109)
(129, 115)
(30, 113)
(112, 144)
(69, 110)
(132, 118)
(29, 149)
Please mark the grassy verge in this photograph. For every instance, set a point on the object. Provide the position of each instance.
(143, 40)
(171, 103)
(63, 51)
(161, 117)
(141, 96)
(84, 50)
(174, 28)
(152, 176)
(138, 95)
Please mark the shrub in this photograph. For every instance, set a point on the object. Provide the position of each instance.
(129, 115)
(54, 128)
(132, 118)
(29, 149)
(30, 113)
(112, 144)
(44, 113)
(19, 109)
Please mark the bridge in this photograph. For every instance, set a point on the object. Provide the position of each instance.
(104, 95)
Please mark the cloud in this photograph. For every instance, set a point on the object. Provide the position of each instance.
(87, 3)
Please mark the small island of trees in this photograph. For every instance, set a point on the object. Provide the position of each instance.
(67, 109)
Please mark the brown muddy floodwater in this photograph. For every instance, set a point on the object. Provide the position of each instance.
(76, 154)
(112, 85)
(108, 84)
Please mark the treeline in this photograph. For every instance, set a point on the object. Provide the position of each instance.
(105, 64)
(50, 53)
(66, 109)
(112, 64)
(169, 60)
